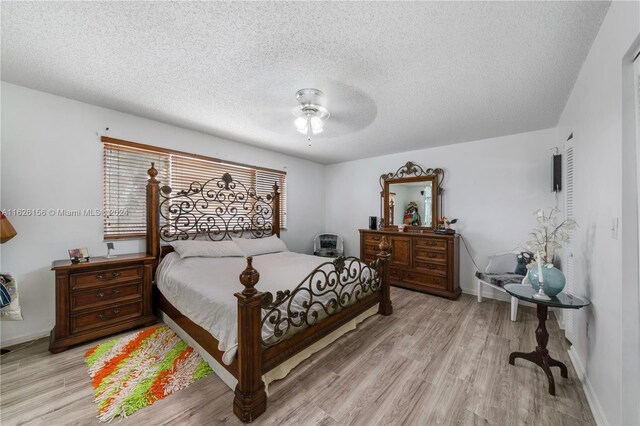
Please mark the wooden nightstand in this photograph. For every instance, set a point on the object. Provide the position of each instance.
(101, 297)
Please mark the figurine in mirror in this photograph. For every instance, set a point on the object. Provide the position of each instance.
(411, 215)
(416, 197)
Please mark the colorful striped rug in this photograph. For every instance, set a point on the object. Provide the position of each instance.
(139, 369)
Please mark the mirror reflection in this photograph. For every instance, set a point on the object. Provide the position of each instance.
(411, 203)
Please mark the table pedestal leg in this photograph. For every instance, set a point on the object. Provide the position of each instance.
(541, 356)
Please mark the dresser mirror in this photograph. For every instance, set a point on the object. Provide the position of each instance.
(411, 197)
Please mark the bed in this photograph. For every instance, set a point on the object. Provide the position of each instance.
(284, 307)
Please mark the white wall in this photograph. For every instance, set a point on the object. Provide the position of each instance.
(594, 114)
(52, 158)
(492, 186)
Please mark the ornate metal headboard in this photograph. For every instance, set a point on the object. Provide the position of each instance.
(217, 209)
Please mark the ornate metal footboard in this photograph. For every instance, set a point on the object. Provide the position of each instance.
(331, 295)
(327, 290)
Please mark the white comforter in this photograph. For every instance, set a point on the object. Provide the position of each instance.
(202, 288)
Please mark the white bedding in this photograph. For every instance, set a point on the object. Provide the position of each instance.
(203, 288)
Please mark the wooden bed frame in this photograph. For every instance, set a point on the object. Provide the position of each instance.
(242, 211)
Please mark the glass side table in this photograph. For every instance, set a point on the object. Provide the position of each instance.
(541, 356)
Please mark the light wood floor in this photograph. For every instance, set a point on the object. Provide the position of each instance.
(434, 361)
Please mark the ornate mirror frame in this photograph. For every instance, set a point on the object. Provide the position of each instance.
(412, 172)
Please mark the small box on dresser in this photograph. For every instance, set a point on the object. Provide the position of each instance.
(421, 261)
(101, 297)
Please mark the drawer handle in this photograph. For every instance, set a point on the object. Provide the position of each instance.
(114, 275)
(101, 295)
(103, 316)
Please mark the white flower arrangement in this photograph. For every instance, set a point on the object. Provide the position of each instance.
(549, 234)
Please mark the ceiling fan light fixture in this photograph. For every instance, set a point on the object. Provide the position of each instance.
(312, 113)
(301, 124)
(316, 124)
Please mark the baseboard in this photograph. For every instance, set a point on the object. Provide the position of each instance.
(594, 404)
(23, 339)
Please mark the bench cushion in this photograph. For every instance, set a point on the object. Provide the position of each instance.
(500, 279)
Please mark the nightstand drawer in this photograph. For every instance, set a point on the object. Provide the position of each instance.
(107, 276)
(100, 318)
(105, 295)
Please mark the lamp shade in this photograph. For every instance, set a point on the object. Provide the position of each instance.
(7, 231)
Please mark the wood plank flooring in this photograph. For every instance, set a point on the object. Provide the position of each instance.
(434, 361)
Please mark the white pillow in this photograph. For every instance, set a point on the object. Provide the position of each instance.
(254, 247)
(192, 248)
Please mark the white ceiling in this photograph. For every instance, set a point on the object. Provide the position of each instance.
(397, 76)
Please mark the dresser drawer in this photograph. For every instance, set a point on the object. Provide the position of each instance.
(430, 244)
(370, 248)
(372, 238)
(106, 316)
(105, 295)
(424, 279)
(432, 268)
(428, 256)
(99, 278)
(395, 273)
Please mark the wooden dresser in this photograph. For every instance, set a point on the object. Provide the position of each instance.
(101, 297)
(425, 262)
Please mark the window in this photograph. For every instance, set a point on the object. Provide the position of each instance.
(125, 181)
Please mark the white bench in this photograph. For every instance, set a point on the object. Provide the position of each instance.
(500, 272)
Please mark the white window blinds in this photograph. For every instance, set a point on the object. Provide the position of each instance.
(125, 180)
(125, 189)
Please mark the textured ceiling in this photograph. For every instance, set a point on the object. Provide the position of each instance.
(397, 76)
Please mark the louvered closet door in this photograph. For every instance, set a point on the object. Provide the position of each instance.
(636, 74)
(569, 267)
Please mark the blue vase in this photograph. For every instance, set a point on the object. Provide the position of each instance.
(553, 279)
